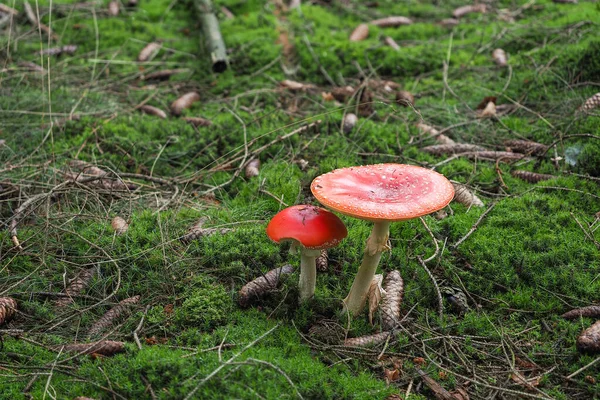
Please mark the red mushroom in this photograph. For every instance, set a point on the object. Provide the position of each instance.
(310, 229)
(380, 193)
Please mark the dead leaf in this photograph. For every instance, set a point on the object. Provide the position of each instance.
(391, 375)
(374, 295)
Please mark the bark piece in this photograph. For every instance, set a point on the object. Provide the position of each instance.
(361, 32)
(252, 168)
(102, 347)
(464, 10)
(113, 8)
(149, 51)
(197, 121)
(350, 121)
(464, 196)
(164, 74)
(119, 225)
(405, 98)
(263, 285)
(591, 103)
(393, 287)
(589, 340)
(391, 22)
(367, 341)
(212, 34)
(184, 102)
(526, 147)
(456, 148)
(76, 286)
(500, 57)
(374, 295)
(107, 320)
(588, 312)
(531, 177)
(151, 110)
(322, 261)
(431, 131)
(197, 231)
(8, 307)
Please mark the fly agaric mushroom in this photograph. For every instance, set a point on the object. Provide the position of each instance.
(381, 193)
(310, 229)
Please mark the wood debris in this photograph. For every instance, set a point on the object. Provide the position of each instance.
(184, 102)
(589, 340)
(151, 110)
(263, 285)
(107, 320)
(33, 19)
(431, 131)
(149, 51)
(500, 57)
(367, 341)
(565, 1)
(113, 8)
(391, 42)
(119, 225)
(296, 86)
(389, 22)
(322, 261)
(103, 347)
(198, 231)
(526, 147)
(29, 66)
(8, 10)
(460, 394)
(591, 103)
(252, 168)
(503, 156)
(531, 177)
(88, 170)
(456, 148)
(197, 121)
(350, 121)
(8, 307)
(162, 75)
(361, 32)
(405, 98)
(393, 287)
(464, 196)
(586, 312)
(76, 286)
(374, 295)
(464, 10)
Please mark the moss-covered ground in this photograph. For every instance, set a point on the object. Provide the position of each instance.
(533, 256)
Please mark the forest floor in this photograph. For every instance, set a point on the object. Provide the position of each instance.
(481, 317)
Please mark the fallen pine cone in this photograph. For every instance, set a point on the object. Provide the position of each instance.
(184, 102)
(589, 340)
(464, 10)
(391, 22)
(57, 51)
(367, 341)
(456, 148)
(342, 94)
(464, 196)
(197, 231)
(500, 58)
(591, 103)
(113, 8)
(449, 22)
(162, 75)
(526, 147)
(76, 286)
(361, 32)
(392, 43)
(531, 177)
(103, 347)
(322, 261)
(365, 104)
(393, 288)
(119, 225)
(350, 121)
(588, 312)
(111, 315)
(150, 110)
(431, 131)
(262, 285)
(8, 306)
(252, 168)
(405, 98)
(197, 121)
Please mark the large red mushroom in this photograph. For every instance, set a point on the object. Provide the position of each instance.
(310, 229)
(381, 193)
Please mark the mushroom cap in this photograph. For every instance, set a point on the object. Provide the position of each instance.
(313, 227)
(383, 192)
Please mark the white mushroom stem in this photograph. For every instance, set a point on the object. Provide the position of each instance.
(308, 271)
(377, 243)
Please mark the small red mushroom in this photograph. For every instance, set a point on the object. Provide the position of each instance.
(310, 229)
(381, 193)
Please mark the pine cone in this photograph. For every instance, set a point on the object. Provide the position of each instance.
(349, 122)
(591, 103)
(76, 286)
(393, 287)
(103, 347)
(262, 285)
(342, 94)
(107, 319)
(8, 307)
(252, 168)
(197, 231)
(589, 340)
(405, 98)
(197, 121)
(526, 147)
(464, 196)
(531, 177)
(367, 341)
(322, 261)
(456, 148)
(119, 225)
(365, 104)
(588, 312)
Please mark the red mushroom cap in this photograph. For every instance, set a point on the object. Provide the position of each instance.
(383, 192)
(313, 227)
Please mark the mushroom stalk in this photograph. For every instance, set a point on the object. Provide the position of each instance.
(377, 243)
(308, 273)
